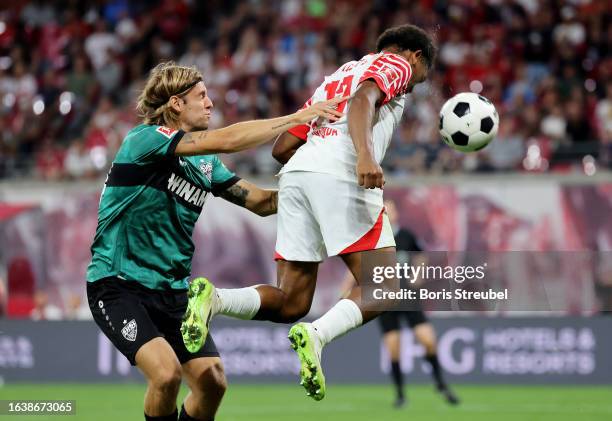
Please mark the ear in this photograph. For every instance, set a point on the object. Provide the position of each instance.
(175, 103)
(418, 54)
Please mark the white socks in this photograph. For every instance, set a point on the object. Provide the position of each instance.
(244, 303)
(340, 319)
(240, 303)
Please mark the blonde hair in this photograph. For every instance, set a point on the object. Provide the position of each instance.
(165, 80)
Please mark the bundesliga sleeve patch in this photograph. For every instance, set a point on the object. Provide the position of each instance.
(391, 73)
(166, 131)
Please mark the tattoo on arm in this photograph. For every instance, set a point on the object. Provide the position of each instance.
(190, 138)
(187, 139)
(236, 195)
(281, 125)
(272, 205)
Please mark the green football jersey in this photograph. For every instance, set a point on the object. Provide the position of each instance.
(148, 209)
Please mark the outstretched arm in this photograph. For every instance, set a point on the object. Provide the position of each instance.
(360, 121)
(260, 201)
(248, 134)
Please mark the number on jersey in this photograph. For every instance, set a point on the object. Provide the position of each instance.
(339, 88)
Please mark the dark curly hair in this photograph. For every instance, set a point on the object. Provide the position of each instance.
(408, 37)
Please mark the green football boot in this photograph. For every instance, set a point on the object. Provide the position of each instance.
(304, 341)
(196, 320)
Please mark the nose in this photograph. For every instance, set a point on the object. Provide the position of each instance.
(208, 103)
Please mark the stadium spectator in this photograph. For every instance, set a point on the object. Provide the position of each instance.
(603, 116)
(100, 44)
(36, 13)
(546, 63)
(78, 162)
(23, 84)
(197, 55)
(43, 310)
(81, 82)
(49, 162)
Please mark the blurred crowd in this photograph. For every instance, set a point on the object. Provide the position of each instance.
(70, 72)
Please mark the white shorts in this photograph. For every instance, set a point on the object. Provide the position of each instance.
(320, 215)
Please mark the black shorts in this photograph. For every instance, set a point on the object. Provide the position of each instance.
(390, 320)
(130, 315)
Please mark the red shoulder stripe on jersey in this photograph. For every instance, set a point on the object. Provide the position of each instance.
(401, 65)
(403, 68)
(391, 73)
(399, 60)
(382, 80)
(383, 84)
(394, 73)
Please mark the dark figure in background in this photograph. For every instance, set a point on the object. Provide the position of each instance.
(408, 251)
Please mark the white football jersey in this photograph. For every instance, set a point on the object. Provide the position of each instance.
(329, 147)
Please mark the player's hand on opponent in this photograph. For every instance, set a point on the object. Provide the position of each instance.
(369, 173)
(323, 109)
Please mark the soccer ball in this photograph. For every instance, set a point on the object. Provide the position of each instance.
(468, 122)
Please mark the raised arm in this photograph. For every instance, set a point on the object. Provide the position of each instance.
(360, 121)
(260, 201)
(248, 134)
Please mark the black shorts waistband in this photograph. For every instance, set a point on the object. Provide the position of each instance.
(131, 285)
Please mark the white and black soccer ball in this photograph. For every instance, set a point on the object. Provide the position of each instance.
(468, 122)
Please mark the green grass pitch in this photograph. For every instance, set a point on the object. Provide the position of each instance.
(343, 402)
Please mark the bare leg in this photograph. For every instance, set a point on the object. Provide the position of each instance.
(292, 298)
(207, 384)
(307, 339)
(161, 368)
(361, 265)
(392, 343)
(286, 303)
(425, 334)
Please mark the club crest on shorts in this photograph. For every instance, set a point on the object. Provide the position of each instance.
(206, 168)
(130, 330)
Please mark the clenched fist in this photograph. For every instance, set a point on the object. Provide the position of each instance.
(369, 173)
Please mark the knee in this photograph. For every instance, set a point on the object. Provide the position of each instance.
(287, 308)
(218, 383)
(430, 346)
(211, 382)
(427, 337)
(167, 380)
